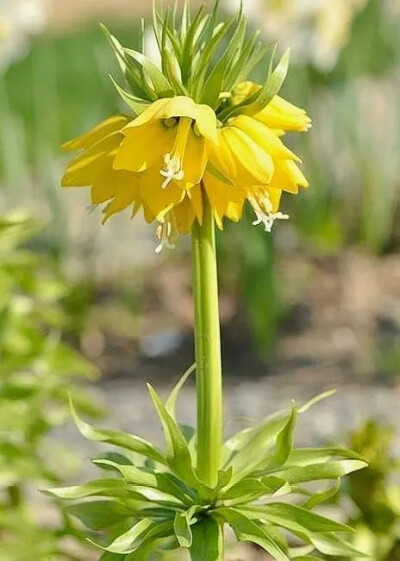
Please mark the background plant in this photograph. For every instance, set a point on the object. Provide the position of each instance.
(37, 369)
(374, 493)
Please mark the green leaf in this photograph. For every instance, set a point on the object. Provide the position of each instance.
(249, 447)
(160, 83)
(319, 498)
(309, 456)
(319, 472)
(329, 544)
(247, 487)
(295, 518)
(284, 442)
(116, 438)
(208, 541)
(247, 530)
(99, 515)
(273, 84)
(132, 74)
(111, 557)
(182, 527)
(179, 458)
(98, 487)
(170, 404)
(137, 104)
(317, 399)
(132, 540)
(141, 477)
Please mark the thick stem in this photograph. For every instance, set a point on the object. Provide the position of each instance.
(208, 348)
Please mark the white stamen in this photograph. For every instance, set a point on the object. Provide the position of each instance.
(163, 233)
(263, 210)
(173, 170)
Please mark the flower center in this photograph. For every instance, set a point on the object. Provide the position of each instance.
(263, 209)
(173, 170)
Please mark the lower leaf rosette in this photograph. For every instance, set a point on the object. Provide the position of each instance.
(153, 500)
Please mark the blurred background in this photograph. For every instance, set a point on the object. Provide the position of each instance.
(93, 309)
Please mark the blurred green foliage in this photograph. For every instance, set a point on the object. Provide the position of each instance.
(37, 370)
(374, 493)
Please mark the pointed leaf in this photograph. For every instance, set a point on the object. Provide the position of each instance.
(330, 544)
(132, 540)
(160, 83)
(208, 541)
(182, 527)
(170, 404)
(295, 518)
(135, 103)
(179, 458)
(164, 482)
(99, 515)
(319, 472)
(98, 487)
(116, 438)
(248, 530)
(319, 498)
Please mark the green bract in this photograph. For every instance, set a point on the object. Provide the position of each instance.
(153, 499)
(191, 63)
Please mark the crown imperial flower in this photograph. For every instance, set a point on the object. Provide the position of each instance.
(196, 131)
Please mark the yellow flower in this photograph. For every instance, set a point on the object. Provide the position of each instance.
(171, 136)
(251, 155)
(95, 167)
(279, 114)
(158, 162)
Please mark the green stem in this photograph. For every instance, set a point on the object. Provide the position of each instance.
(208, 348)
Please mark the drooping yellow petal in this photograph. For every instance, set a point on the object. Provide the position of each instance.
(275, 196)
(178, 107)
(159, 200)
(196, 198)
(288, 177)
(206, 122)
(240, 159)
(103, 129)
(222, 196)
(85, 168)
(195, 159)
(126, 190)
(264, 137)
(143, 146)
(183, 216)
(280, 114)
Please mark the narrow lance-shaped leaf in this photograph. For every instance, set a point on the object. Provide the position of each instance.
(207, 541)
(116, 438)
(98, 487)
(179, 457)
(284, 442)
(322, 497)
(141, 477)
(319, 472)
(170, 404)
(135, 103)
(182, 526)
(274, 82)
(131, 541)
(330, 544)
(294, 518)
(248, 530)
(160, 83)
(99, 515)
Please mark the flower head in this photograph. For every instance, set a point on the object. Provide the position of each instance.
(197, 133)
